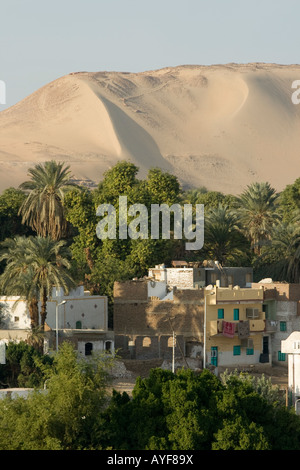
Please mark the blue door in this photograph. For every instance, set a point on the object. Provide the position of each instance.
(214, 355)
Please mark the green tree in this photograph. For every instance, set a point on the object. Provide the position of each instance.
(257, 210)
(281, 258)
(35, 265)
(17, 277)
(49, 260)
(24, 366)
(80, 209)
(163, 187)
(10, 221)
(289, 201)
(64, 417)
(43, 208)
(188, 411)
(223, 240)
(119, 180)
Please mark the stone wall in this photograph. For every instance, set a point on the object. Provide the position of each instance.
(136, 319)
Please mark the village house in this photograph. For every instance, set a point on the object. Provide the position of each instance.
(282, 310)
(238, 324)
(79, 317)
(224, 324)
(183, 275)
(235, 325)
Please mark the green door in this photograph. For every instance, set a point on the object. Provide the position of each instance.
(214, 355)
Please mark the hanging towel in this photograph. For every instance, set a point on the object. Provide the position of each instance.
(243, 329)
(228, 329)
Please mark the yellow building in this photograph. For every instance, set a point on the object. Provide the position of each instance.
(234, 325)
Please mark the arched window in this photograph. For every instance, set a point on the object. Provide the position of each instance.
(146, 342)
(78, 325)
(88, 348)
(170, 342)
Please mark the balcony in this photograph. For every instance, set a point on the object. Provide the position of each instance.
(271, 326)
(215, 327)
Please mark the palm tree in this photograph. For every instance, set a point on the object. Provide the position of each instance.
(223, 240)
(258, 213)
(35, 265)
(49, 260)
(43, 208)
(17, 278)
(282, 256)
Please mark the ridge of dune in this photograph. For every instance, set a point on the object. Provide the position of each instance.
(220, 126)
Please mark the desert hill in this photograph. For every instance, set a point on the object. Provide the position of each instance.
(220, 126)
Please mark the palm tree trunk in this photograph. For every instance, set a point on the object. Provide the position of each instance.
(43, 308)
(34, 312)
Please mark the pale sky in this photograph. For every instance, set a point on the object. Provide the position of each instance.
(44, 40)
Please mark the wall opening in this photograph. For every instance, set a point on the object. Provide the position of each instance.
(146, 342)
(88, 348)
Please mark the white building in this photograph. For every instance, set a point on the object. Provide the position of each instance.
(79, 317)
(291, 347)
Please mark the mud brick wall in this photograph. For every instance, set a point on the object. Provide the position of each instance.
(137, 318)
(158, 347)
(280, 291)
(131, 290)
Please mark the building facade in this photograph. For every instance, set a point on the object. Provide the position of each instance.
(291, 348)
(282, 311)
(235, 326)
(144, 323)
(148, 311)
(79, 317)
(186, 277)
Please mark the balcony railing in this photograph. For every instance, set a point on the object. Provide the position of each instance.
(215, 327)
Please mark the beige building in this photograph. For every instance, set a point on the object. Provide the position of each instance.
(146, 314)
(226, 324)
(282, 310)
(235, 326)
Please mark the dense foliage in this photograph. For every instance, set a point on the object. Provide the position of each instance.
(182, 411)
(259, 228)
(64, 415)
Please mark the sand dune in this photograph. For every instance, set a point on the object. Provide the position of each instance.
(220, 126)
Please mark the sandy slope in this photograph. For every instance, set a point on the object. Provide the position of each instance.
(221, 126)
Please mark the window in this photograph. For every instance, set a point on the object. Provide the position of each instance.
(236, 350)
(282, 325)
(249, 352)
(236, 313)
(220, 313)
(78, 325)
(171, 343)
(16, 319)
(146, 342)
(281, 356)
